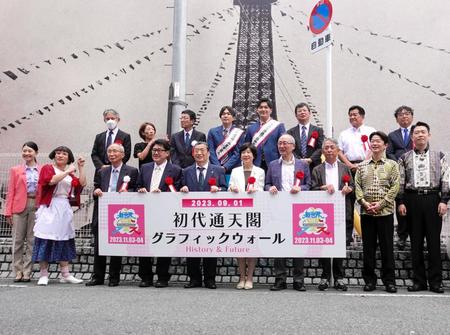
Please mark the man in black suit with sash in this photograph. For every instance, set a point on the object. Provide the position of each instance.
(181, 143)
(116, 177)
(400, 141)
(105, 139)
(308, 137)
(157, 176)
(333, 176)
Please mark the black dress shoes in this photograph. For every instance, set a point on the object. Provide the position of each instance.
(401, 244)
(390, 288)
(145, 283)
(369, 287)
(193, 284)
(279, 285)
(113, 283)
(94, 282)
(211, 285)
(299, 286)
(161, 283)
(437, 289)
(417, 287)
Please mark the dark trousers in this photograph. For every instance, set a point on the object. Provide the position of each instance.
(402, 227)
(162, 268)
(281, 270)
(425, 222)
(115, 263)
(338, 269)
(195, 273)
(379, 228)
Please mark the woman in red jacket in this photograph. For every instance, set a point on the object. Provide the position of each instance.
(54, 230)
(20, 210)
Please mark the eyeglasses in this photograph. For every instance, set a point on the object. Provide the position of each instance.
(404, 114)
(158, 150)
(284, 143)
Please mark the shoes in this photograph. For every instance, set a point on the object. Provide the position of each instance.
(193, 284)
(26, 279)
(323, 285)
(248, 285)
(211, 285)
(299, 286)
(113, 283)
(145, 283)
(279, 285)
(94, 282)
(390, 288)
(339, 285)
(240, 285)
(401, 244)
(369, 287)
(43, 281)
(19, 277)
(417, 287)
(161, 283)
(70, 280)
(437, 289)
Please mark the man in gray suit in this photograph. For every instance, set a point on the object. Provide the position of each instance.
(332, 176)
(400, 142)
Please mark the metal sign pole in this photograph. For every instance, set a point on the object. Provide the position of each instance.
(329, 91)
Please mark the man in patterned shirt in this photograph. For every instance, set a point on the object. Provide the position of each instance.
(423, 197)
(377, 184)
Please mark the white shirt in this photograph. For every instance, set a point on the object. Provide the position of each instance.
(110, 178)
(204, 171)
(114, 134)
(332, 175)
(300, 126)
(287, 174)
(158, 171)
(351, 144)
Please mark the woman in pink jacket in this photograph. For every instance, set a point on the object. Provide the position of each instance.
(20, 210)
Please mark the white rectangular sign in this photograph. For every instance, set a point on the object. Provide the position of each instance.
(321, 41)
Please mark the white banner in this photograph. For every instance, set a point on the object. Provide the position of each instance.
(202, 224)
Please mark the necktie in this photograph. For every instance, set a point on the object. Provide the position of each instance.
(114, 179)
(303, 141)
(186, 141)
(405, 137)
(108, 143)
(201, 177)
(156, 178)
(225, 133)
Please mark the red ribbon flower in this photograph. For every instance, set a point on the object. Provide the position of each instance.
(364, 140)
(75, 182)
(346, 178)
(168, 180)
(313, 138)
(251, 180)
(212, 181)
(300, 175)
(118, 141)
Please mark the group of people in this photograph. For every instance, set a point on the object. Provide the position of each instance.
(383, 173)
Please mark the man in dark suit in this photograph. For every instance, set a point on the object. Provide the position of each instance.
(105, 139)
(181, 143)
(195, 178)
(332, 176)
(282, 176)
(152, 178)
(400, 141)
(110, 178)
(264, 134)
(308, 137)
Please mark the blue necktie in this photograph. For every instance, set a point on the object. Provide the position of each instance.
(108, 143)
(405, 137)
(303, 141)
(114, 180)
(201, 177)
(186, 141)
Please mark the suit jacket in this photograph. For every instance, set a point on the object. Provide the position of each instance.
(237, 178)
(99, 149)
(318, 179)
(189, 178)
(274, 178)
(179, 155)
(171, 170)
(315, 152)
(269, 147)
(101, 181)
(396, 148)
(16, 198)
(215, 138)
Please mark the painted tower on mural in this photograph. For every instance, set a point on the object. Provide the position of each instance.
(254, 61)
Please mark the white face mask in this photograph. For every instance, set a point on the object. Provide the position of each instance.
(111, 124)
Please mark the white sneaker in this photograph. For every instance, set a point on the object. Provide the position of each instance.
(43, 281)
(70, 280)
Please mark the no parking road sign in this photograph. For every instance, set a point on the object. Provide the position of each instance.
(320, 16)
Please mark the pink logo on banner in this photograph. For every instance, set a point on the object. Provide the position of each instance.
(126, 225)
(313, 224)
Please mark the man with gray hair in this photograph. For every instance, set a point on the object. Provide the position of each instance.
(112, 135)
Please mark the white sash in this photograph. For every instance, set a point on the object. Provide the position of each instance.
(264, 132)
(228, 143)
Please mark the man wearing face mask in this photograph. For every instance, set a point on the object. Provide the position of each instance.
(105, 139)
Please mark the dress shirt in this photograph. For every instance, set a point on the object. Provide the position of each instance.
(157, 174)
(332, 175)
(205, 167)
(350, 142)
(377, 181)
(287, 174)
(110, 188)
(32, 176)
(114, 134)
(306, 130)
